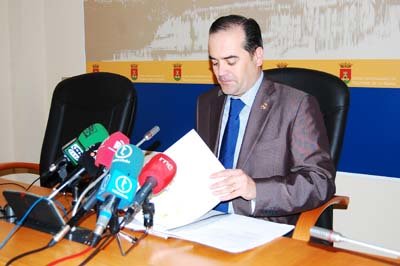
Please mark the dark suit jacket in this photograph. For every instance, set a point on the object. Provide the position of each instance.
(285, 150)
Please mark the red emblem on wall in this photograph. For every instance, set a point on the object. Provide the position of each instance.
(134, 72)
(345, 72)
(96, 68)
(177, 73)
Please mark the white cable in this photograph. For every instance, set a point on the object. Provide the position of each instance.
(87, 189)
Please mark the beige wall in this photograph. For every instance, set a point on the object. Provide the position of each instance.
(42, 41)
(373, 215)
(6, 132)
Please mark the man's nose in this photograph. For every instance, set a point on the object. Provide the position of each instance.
(222, 69)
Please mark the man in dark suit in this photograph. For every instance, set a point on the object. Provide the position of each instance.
(281, 163)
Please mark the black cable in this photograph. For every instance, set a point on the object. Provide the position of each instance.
(103, 243)
(33, 182)
(26, 254)
(8, 217)
(14, 184)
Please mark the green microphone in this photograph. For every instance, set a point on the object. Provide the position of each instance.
(90, 136)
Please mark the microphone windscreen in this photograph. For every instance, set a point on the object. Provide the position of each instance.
(107, 149)
(93, 134)
(128, 159)
(162, 168)
(122, 179)
(73, 150)
(87, 161)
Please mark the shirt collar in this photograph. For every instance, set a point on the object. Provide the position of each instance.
(249, 96)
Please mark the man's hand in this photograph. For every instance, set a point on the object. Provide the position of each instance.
(232, 183)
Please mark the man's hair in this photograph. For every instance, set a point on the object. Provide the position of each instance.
(250, 27)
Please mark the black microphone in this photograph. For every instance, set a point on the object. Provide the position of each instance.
(76, 147)
(85, 162)
(332, 236)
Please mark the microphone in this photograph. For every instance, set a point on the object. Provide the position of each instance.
(118, 188)
(103, 159)
(91, 135)
(149, 135)
(85, 163)
(107, 149)
(105, 154)
(74, 149)
(154, 177)
(332, 236)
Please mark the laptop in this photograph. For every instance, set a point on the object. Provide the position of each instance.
(44, 217)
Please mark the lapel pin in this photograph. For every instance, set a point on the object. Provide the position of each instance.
(263, 106)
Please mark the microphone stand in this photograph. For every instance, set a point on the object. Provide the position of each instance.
(332, 236)
(148, 213)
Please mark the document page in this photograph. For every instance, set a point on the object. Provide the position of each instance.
(231, 232)
(188, 196)
(228, 232)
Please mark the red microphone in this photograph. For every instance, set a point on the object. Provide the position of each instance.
(153, 178)
(158, 172)
(107, 149)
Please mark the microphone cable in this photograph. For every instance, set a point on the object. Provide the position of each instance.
(72, 256)
(105, 240)
(33, 182)
(20, 222)
(26, 254)
(87, 189)
(14, 184)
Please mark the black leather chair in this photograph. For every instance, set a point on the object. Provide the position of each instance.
(78, 102)
(333, 97)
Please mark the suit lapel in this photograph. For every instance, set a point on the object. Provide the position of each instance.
(255, 125)
(216, 111)
(257, 120)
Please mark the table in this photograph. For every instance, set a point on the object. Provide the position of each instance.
(157, 251)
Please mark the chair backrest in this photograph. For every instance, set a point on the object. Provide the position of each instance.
(333, 97)
(80, 101)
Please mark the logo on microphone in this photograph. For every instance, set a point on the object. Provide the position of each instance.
(118, 144)
(123, 152)
(89, 131)
(167, 164)
(123, 185)
(74, 152)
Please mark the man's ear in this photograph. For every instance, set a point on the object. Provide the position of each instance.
(259, 56)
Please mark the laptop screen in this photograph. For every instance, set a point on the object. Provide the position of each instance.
(44, 216)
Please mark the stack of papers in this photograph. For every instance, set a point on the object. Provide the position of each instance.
(182, 209)
(228, 232)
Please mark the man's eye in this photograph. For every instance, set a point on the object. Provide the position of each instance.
(214, 63)
(232, 62)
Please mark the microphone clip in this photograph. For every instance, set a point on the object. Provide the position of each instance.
(148, 213)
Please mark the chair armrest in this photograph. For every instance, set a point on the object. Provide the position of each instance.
(18, 167)
(308, 219)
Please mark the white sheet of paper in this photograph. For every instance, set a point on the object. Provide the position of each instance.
(228, 232)
(188, 196)
(231, 232)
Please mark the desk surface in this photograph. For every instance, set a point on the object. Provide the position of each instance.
(157, 251)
